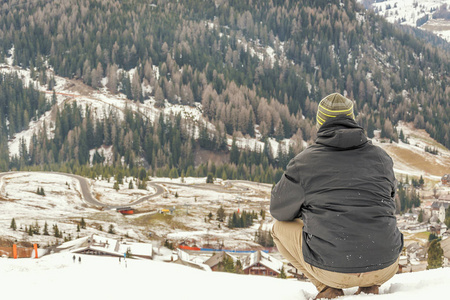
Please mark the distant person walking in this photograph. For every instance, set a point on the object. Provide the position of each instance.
(73, 258)
(79, 259)
(334, 207)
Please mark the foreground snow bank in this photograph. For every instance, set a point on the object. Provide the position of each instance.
(58, 277)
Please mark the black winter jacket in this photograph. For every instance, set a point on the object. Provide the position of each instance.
(343, 189)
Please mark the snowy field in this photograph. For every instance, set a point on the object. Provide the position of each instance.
(192, 201)
(56, 276)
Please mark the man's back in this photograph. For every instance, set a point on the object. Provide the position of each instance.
(347, 202)
(343, 190)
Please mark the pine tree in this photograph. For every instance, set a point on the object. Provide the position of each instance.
(238, 267)
(435, 255)
(234, 153)
(173, 173)
(40, 191)
(210, 178)
(36, 228)
(264, 238)
(46, 229)
(234, 221)
(282, 274)
(263, 214)
(220, 214)
(83, 223)
(401, 136)
(56, 231)
(13, 224)
(227, 264)
(111, 229)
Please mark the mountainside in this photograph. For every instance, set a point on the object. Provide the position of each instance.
(252, 69)
(410, 153)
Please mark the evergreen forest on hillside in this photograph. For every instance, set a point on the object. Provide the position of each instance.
(213, 53)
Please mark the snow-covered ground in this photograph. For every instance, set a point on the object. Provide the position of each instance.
(192, 199)
(56, 276)
(411, 158)
(408, 12)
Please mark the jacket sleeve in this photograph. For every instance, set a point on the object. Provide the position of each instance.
(287, 198)
(391, 175)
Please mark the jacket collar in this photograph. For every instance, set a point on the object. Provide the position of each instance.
(341, 132)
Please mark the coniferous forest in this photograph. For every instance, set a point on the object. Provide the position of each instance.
(204, 51)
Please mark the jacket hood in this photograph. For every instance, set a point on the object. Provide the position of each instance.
(341, 132)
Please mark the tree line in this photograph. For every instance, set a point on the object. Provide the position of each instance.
(188, 55)
(139, 147)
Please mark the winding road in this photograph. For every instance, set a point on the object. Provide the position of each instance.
(87, 195)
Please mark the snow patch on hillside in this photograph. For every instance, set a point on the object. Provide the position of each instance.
(101, 103)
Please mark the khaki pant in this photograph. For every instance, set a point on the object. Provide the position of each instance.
(288, 238)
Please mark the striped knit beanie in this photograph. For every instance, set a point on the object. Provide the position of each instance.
(332, 106)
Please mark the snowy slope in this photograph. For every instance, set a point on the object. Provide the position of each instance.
(408, 12)
(56, 276)
(102, 101)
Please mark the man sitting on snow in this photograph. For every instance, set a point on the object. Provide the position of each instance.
(335, 207)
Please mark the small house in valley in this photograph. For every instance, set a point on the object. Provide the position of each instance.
(98, 245)
(261, 263)
(445, 245)
(185, 259)
(255, 263)
(445, 179)
(215, 261)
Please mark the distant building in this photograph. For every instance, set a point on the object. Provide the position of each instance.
(214, 261)
(186, 259)
(438, 209)
(256, 263)
(415, 251)
(445, 197)
(261, 263)
(98, 245)
(445, 179)
(445, 245)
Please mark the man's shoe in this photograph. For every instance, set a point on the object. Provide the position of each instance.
(330, 293)
(374, 289)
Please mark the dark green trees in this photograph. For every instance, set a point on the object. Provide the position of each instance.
(220, 214)
(83, 223)
(13, 225)
(241, 220)
(435, 255)
(238, 89)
